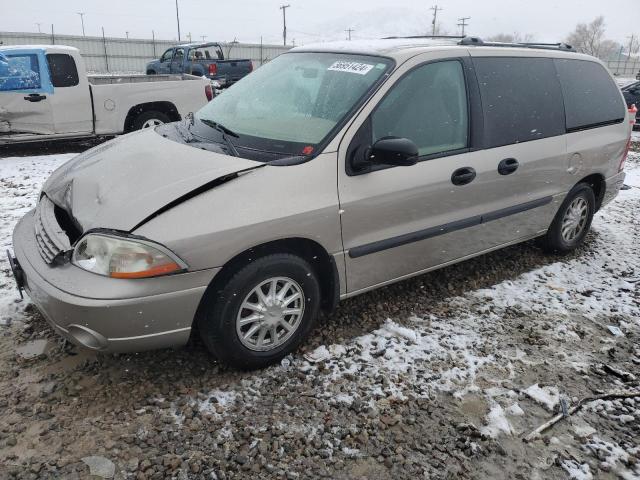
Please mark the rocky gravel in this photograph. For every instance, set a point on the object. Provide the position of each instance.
(436, 377)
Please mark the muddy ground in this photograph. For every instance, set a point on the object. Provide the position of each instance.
(440, 376)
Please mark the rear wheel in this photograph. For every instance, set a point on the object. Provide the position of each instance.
(151, 72)
(263, 312)
(572, 222)
(150, 119)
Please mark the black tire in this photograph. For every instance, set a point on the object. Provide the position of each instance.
(140, 120)
(220, 308)
(151, 72)
(553, 241)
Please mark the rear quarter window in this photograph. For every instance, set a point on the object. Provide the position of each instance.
(62, 68)
(591, 96)
(521, 99)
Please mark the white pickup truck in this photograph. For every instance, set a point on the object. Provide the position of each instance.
(45, 94)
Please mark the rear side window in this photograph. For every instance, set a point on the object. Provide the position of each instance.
(521, 99)
(591, 96)
(62, 68)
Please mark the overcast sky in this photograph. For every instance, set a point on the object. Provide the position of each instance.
(318, 20)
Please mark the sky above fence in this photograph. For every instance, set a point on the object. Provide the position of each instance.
(317, 20)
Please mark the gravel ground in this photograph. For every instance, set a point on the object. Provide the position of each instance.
(436, 377)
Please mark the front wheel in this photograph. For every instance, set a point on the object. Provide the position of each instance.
(572, 222)
(263, 312)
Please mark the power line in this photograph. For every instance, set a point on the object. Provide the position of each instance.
(463, 23)
(349, 30)
(435, 9)
(82, 14)
(284, 23)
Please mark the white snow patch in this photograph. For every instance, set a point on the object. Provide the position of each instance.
(515, 410)
(577, 471)
(20, 181)
(546, 396)
(497, 422)
(217, 400)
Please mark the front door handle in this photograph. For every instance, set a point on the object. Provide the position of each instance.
(463, 175)
(507, 166)
(34, 97)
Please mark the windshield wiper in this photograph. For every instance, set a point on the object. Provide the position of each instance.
(224, 131)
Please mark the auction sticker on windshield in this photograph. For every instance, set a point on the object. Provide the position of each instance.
(351, 67)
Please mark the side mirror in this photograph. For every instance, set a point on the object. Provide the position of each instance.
(396, 151)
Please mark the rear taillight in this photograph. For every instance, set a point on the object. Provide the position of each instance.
(624, 155)
(208, 91)
(250, 66)
(633, 110)
(213, 69)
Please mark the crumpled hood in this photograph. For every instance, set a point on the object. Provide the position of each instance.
(120, 183)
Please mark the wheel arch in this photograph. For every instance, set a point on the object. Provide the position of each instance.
(598, 184)
(320, 260)
(168, 108)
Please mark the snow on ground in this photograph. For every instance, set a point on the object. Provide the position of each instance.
(20, 181)
(465, 347)
(624, 81)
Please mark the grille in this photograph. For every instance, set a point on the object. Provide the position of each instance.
(50, 237)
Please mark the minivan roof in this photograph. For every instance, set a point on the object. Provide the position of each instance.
(403, 47)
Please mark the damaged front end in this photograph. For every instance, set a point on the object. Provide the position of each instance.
(115, 188)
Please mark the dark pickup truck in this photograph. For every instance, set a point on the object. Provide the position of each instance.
(201, 59)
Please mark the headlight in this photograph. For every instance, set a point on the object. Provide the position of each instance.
(121, 257)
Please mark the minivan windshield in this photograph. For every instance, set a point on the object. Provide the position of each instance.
(291, 104)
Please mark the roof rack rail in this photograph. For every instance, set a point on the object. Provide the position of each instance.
(543, 46)
(453, 37)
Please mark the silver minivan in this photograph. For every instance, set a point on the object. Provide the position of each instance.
(330, 171)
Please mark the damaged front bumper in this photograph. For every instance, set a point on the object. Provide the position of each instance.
(107, 314)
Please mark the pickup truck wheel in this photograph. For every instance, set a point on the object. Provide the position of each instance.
(150, 119)
(262, 313)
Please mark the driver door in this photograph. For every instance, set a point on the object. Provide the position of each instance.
(164, 66)
(177, 62)
(25, 94)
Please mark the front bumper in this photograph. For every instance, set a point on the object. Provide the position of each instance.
(106, 314)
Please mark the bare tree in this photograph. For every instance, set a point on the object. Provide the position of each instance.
(589, 37)
(514, 37)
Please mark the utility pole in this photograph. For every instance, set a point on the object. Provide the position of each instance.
(463, 23)
(189, 37)
(82, 14)
(127, 34)
(39, 30)
(284, 22)
(203, 38)
(349, 30)
(435, 9)
(178, 19)
(632, 39)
